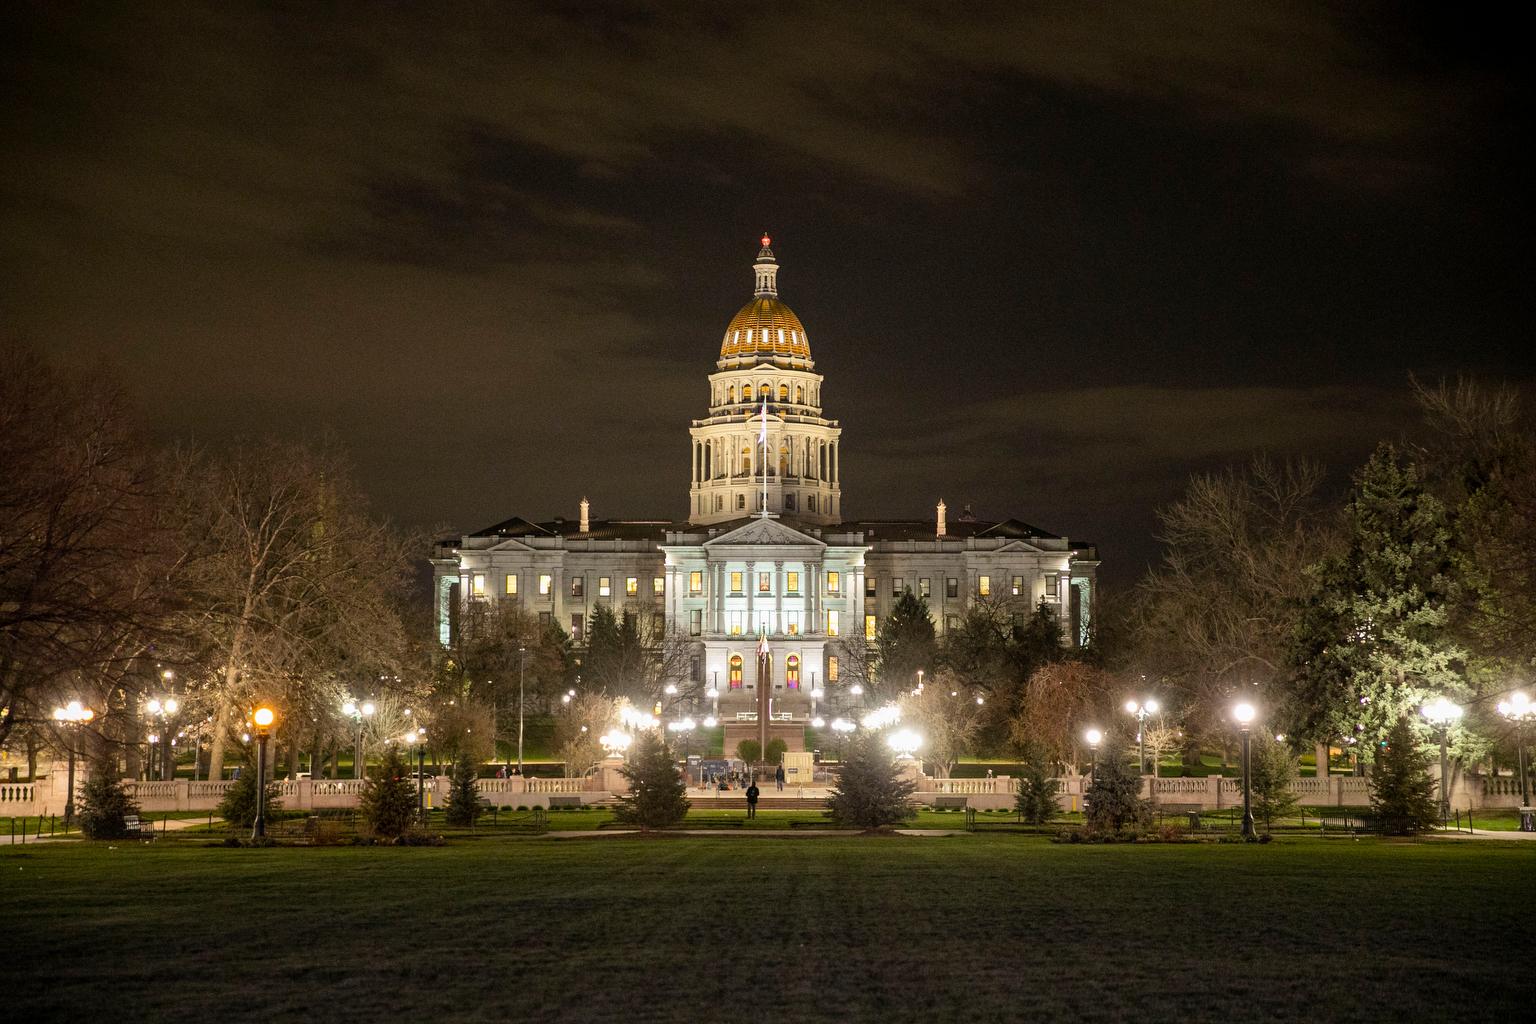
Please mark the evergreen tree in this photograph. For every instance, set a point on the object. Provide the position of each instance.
(1373, 636)
(465, 804)
(238, 807)
(1113, 800)
(387, 805)
(104, 804)
(1272, 768)
(905, 643)
(870, 792)
(1402, 791)
(1037, 789)
(658, 796)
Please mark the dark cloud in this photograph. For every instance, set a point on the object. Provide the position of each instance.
(1053, 257)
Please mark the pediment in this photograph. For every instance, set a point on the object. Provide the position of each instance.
(764, 532)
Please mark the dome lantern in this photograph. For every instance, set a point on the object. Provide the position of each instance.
(765, 330)
(767, 269)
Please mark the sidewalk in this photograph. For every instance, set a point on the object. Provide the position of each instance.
(166, 825)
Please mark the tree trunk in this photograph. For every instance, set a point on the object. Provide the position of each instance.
(216, 744)
(1322, 752)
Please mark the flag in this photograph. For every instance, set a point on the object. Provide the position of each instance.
(762, 644)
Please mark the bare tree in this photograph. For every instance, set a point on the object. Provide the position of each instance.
(1062, 700)
(945, 712)
(579, 725)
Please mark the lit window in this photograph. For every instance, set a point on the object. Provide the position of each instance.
(749, 341)
(799, 392)
(832, 669)
(792, 583)
(746, 392)
(659, 585)
(478, 585)
(576, 626)
(735, 672)
(546, 581)
(952, 586)
(1018, 585)
(869, 627)
(1050, 586)
(984, 586)
(834, 580)
(781, 335)
(832, 622)
(631, 586)
(869, 586)
(792, 672)
(696, 622)
(696, 583)
(792, 623)
(736, 623)
(764, 582)
(512, 584)
(578, 585)
(730, 394)
(735, 582)
(604, 586)
(897, 586)
(924, 587)
(783, 391)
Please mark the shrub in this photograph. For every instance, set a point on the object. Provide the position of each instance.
(387, 805)
(104, 804)
(1037, 790)
(1271, 770)
(465, 805)
(774, 753)
(749, 751)
(1402, 792)
(870, 791)
(1113, 800)
(657, 794)
(239, 804)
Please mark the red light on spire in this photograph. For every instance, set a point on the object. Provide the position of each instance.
(766, 241)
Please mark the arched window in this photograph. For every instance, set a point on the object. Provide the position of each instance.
(783, 460)
(746, 462)
(792, 671)
(730, 394)
(783, 392)
(735, 674)
(746, 392)
(799, 396)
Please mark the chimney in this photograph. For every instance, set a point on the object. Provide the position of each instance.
(941, 518)
(586, 516)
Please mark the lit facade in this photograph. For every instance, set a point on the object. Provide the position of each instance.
(791, 570)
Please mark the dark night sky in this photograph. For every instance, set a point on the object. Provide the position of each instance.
(1051, 259)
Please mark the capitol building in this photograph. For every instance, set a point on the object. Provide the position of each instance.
(766, 577)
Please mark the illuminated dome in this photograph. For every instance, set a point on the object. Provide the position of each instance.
(765, 330)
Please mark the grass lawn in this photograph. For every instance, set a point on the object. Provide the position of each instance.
(706, 929)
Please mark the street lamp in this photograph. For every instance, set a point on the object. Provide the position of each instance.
(1244, 714)
(1519, 710)
(1094, 738)
(1443, 713)
(358, 712)
(522, 668)
(418, 738)
(73, 715)
(1141, 711)
(904, 742)
(262, 719)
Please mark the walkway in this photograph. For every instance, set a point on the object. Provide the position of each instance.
(164, 825)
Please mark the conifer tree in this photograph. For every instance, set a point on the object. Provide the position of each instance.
(1113, 800)
(905, 643)
(1036, 799)
(1402, 791)
(657, 796)
(870, 792)
(465, 804)
(387, 805)
(104, 804)
(238, 806)
(1272, 767)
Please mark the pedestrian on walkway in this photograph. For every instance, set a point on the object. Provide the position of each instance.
(752, 794)
(778, 777)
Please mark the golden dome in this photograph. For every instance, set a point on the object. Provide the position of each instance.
(765, 330)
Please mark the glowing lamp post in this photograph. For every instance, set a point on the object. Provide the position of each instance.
(262, 720)
(1244, 714)
(164, 710)
(358, 713)
(904, 742)
(418, 738)
(71, 717)
(1519, 710)
(1094, 738)
(1443, 714)
(1142, 710)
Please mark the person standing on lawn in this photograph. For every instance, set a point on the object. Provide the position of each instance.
(752, 794)
(778, 777)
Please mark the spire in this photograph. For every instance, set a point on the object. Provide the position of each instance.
(943, 524)
(767, 270)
